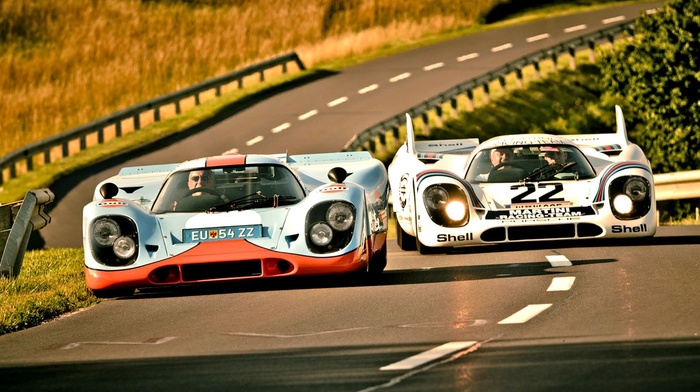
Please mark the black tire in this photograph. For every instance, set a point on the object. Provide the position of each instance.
(428, 250)
(378, 262)
(403, 239)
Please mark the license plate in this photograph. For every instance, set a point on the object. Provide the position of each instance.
(222, 233)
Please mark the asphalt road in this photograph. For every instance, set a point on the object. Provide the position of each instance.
(575, 316)
(325, 113)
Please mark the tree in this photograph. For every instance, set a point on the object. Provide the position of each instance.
(657, 77)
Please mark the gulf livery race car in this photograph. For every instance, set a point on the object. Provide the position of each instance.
(236, 217)
(529, 187)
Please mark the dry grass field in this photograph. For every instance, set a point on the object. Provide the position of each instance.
(66, 63)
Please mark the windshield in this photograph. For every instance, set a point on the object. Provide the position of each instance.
(228, 188)
(529, 163)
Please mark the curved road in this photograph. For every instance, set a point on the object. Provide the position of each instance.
(323, 115)
(585, 316)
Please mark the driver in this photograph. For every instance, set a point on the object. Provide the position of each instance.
(500, 155)
(555, 156)
(200, 179)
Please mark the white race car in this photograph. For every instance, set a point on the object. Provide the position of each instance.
(514, 188)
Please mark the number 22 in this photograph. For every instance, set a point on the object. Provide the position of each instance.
(530, 189)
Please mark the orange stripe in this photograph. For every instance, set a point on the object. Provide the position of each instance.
(226, 160)
(231, 251)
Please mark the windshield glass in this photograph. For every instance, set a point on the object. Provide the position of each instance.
(228, 188)
(529, 163)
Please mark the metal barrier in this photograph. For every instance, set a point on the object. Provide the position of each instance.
(367, 138)
(27, 153)
(677, 186)
(17, 221)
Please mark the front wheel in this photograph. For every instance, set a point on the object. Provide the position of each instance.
(403, 239)
(113, 293)
(427, 250)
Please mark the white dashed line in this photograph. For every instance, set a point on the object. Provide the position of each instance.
(575, 28)
(427, 356)
(535, 38)
(525, 314)
(562, 283)
(281, 128)
(467, 57)
(337, 102)
(231, 152)
(148, 343)
(367, 89)
(651, 11)
(502, 47)
(403, 76)
(614, 19)
(254, 140)
(558, 261)
(433, 66)
(308, 114)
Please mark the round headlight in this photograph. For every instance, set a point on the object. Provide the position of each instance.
(124, 247)
(436, 197)
(455, 211)
(622, 204)
(340, 216)
(321, 234)
(105, 232)
(636, 188)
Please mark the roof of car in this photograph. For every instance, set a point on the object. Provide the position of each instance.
(524, 139)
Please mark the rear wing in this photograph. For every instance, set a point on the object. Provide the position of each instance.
(432, 150)
(607, 143)
(328, 158)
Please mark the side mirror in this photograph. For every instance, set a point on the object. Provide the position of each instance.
(337, 174)
(109, 190)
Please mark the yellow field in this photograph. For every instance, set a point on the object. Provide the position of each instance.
(66, 63)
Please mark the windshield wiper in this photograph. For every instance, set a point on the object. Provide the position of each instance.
(548, 171)
(241, 202)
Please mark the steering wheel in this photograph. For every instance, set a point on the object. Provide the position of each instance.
(210, 191)
(507, 164)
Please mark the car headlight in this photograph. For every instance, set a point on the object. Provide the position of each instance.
(321, 234)
(340, 216)
(114, 240)
(124, 247)
(105, 231)
(446, 205)
(630, 197)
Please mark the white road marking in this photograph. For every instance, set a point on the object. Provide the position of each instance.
(433, 66)
(147, 343)
(537, 37)
(502, 47)
(337, 102)
(254, 140)
(428, 356)
(562, 283)
(525, 314)
(231, 151)
(467, 57)
(575, 28)
(367, 89)
(614, 19)
(294, 335)
(308, 114)
(281, 127)
(651, 11)
(558, 261)
(402, 76)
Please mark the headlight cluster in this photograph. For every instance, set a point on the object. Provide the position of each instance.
(330, 226)
(630, 196)
(447, 205)
(114, 240)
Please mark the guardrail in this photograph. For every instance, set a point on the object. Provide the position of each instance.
(677, 186)
(27, 154)
(367, 139)
(17, 221)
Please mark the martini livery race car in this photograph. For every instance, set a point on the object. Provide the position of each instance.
(236, 217)
(513, 188)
